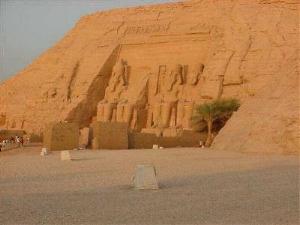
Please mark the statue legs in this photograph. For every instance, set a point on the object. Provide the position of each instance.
(125, 113)
(167, 110)
(100, 112)
(188, 114)
(108, 111)
(156, 115)
(120, 112)
(180, 115)
(184, 115)
(128, 112)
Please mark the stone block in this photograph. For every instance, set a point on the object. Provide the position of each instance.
(191, 138)
(148, 140)
(142, 140)
(156, 131)
(155, 147)
(44, 152)
(65, 156)
(172, 132)
(61, 136)
(145, 178)
(110, 135)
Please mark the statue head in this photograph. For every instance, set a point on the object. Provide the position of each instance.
(175, 76)
(119, 68)
(194, 74)
(118, 75)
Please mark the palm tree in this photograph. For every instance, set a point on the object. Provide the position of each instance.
(211, 111)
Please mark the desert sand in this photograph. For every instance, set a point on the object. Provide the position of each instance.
(197, 187)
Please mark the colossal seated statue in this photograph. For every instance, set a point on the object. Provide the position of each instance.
(116, 86)
(132, 102)
(189, 97)
(164, 109)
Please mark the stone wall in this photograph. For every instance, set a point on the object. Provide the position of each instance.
(114, 135)
(61, 136)
(147, 140)
(109, 135)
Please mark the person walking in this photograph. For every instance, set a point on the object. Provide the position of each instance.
(17, 139)
(21, 142)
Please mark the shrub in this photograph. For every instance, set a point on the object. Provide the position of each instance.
(219, 109)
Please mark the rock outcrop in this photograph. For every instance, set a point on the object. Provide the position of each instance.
(242, 49)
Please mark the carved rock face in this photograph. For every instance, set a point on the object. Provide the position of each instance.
(117, 77)
(194, 76)
(2, 119)
(257, 40)
(119, 69)
(174, 76)
(52, 92)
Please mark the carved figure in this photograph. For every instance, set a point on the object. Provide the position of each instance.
(189, 96)
(116, 86)
(165, 105)
(2, 119)
(135, 99)
(154, 115)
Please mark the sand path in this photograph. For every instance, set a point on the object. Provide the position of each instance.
(197, 187)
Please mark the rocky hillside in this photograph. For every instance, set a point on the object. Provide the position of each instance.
(252, 45)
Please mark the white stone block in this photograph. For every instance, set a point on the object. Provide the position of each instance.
(44, 152)
(65, 156)
(145, 178)
(155, 147)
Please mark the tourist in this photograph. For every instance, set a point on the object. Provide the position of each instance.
(17, 140)
(2, 144)
(21, 141)
(201, 144)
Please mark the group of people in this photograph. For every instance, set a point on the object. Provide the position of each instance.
(12, 140)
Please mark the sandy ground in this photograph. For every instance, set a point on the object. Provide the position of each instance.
(197, 187)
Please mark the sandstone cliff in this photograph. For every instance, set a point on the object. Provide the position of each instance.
(252, 45)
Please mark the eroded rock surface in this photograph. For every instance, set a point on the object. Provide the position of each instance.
(169, 57)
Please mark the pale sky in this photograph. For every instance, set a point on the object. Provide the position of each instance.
(29, 27)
